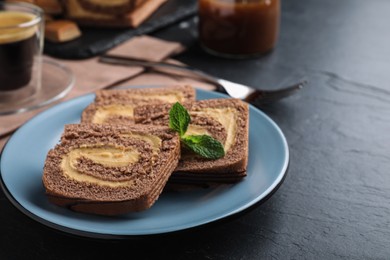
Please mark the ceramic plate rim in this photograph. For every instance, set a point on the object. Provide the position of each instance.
(86, 233)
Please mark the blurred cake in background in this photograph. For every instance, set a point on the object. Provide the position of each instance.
(118, 13)
(68, 15)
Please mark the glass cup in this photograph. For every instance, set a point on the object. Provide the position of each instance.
(21, 44)
(238, 28)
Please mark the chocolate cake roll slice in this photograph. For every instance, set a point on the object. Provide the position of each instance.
(110, 170)
(117, 106)
(227, 120)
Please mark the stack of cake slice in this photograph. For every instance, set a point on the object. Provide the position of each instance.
(123, 154)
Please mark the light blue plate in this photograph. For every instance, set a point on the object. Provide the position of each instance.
(23, 158)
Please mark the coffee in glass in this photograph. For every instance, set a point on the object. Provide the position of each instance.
(21, 42)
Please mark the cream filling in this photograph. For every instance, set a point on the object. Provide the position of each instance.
(196, 130)
(166, 97)
(112, 157)
(13, 19)
(227, 117)
(103, 112)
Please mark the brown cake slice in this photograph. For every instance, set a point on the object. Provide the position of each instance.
(110, 170)
(116, 106)
(227, 120)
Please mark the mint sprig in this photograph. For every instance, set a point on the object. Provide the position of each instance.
(179, 119)
(203, 145)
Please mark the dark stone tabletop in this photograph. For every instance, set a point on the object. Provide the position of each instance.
(335, 200)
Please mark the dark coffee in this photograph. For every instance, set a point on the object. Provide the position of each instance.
(18, 46)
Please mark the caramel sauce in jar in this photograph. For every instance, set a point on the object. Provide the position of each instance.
(238, 28)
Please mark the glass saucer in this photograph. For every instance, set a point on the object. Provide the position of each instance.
(57, 81)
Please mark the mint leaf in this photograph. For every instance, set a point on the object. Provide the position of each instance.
(179, 118)
(204, 145)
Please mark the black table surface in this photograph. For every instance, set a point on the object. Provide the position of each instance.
(335, 200)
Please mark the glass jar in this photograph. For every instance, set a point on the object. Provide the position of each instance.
(238, 28)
